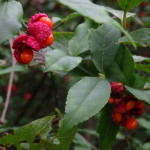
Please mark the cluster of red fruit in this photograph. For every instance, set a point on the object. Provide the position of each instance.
(125, 108)
(39, 35)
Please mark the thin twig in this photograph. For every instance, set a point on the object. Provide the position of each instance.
(127, 140)
(2, 119)
(60, 24)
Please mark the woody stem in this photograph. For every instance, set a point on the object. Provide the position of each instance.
(2, 119)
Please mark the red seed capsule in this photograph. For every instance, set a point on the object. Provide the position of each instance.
(131, 123)
(48, 21)
(26, 56)
(130, 105)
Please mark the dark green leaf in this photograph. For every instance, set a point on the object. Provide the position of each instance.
(107, 129)
(123, 67)
(139, 81)
(119, 14)
(103, 47)
(126, 63)
(88, 9)
(142, 67)
(94, 12)
(28, 132)
(57, 60)
(85, 99)
(62, 141)
(140, 94)
(79, 43)
(114, 73)
(11, 14)
(129, 4)
(86, 68)
(12, 69)
(140, 36)
(65, 139)
(61, 40)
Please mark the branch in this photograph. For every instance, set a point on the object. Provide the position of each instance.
(2, 119)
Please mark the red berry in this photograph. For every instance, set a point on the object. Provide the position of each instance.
(117, 116)
(131, 123)
(117, 89)
(67, 78)
(111, 100)
(49, 40)
(26, 56)
(27, 96)
(130, 105)
(144, 4)
(13, 88)
(48, 21)
(143, 14)
(140, 104)
(128, 25)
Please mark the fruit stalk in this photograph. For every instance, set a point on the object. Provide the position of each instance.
(124, 19)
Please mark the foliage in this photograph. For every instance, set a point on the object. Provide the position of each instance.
(90, 50)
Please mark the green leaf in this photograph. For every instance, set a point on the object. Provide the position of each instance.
(94, 12)
(81, 148)
(140, 36)
(70, 17)
(114, 73)
(88, 9)
(80, 140)
(85, 99)
(57, 60)
(65, 20)
(65, 139)
(79, 43)
(61, 40)
(140, 148)
(146, 146)
(140, 94)
(138, 59)
(144, 123)
(6, 129)
(118, 13)
(11, 14)
(107, 129)
(142, 67)
(139, 81)
(103, 47)
(129, 4)
(122, 69)
(89, 131)
(126, 63)
(61, 141)
(86, 68)
(16, 68)
(40, 127)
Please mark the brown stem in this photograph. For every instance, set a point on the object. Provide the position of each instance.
(2, 119)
